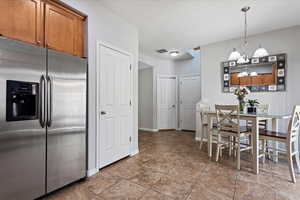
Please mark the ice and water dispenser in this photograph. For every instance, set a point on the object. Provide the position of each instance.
(22, 100)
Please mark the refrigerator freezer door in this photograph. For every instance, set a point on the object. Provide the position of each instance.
(22, 139)
(66, 120)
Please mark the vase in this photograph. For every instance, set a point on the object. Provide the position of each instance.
(242, 104)
(251, 110)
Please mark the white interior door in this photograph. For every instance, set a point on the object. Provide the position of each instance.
(189, 91)
(115, 110)
(167, 102)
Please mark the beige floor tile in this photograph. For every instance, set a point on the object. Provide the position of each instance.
(173, 187)
(153, 195)
(253, 191)
(124, 190)
(102, 181)
(147, 178)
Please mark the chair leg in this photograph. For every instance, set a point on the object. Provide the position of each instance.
(217, 153)
(202, 137)
(290, 159)
(218, 148)
(296, 147)
(297, 161)
(238, 154)
(230, 145)
(234, 146)
(264, 151)
(221, 152)
(251, 143)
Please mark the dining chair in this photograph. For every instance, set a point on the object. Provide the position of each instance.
(290, 139)
(230, 131)
(204, 123)
(263, 125)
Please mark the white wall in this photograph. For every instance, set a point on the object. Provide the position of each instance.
(281, 41)
(107, 27)
(146, 98)
(190, 66)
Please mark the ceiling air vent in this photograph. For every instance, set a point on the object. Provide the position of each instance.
(162, 51)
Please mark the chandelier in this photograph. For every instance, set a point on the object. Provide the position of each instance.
(244, 58)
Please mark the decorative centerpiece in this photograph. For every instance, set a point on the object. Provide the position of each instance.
(241, 94)
(252, 105)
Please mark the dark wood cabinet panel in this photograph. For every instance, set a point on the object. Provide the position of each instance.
(22, 20)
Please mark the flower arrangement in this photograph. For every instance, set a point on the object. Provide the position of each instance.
(241, 94)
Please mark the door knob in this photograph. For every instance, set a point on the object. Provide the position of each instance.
(103, 113)
(173, 106)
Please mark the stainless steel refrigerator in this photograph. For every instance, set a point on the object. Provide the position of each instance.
(42, 120)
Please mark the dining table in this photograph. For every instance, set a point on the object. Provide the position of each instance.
(255, 119)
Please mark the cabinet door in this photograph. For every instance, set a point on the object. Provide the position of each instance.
(63, 30)
(21, 20)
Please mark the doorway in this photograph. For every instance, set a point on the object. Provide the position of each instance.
(189, 95)
(167, 102)
(114, 106)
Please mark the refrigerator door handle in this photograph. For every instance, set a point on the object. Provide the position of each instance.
(42, 101)
(49, 101)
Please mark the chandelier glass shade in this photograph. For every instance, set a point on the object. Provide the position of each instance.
(244, 58)
(234, 55)
(260, 52)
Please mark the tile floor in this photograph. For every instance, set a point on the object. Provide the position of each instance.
(171, 166)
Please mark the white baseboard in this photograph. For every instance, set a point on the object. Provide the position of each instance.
(92, 172)
(133, 153)
(148, 129)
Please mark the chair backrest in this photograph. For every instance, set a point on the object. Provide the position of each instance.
(294, 124)
(228, 118)
(263, 108)
(203, 108)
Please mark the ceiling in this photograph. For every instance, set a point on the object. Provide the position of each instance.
(184, 24)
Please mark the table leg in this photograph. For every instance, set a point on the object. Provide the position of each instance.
(209, 136)
(255, 135)
(275, 144)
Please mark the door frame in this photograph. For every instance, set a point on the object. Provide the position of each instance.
(108, 45)
(179, 95)
(158, 97)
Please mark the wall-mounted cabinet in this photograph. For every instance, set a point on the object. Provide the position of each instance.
(22, 20)
(44, 23)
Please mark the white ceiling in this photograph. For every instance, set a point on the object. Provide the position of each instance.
(184, 24)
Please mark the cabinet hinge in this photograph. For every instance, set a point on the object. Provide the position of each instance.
(130, 103)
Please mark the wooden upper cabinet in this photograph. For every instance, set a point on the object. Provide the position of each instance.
(63, 30)
(22, 20)
(44, 23)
